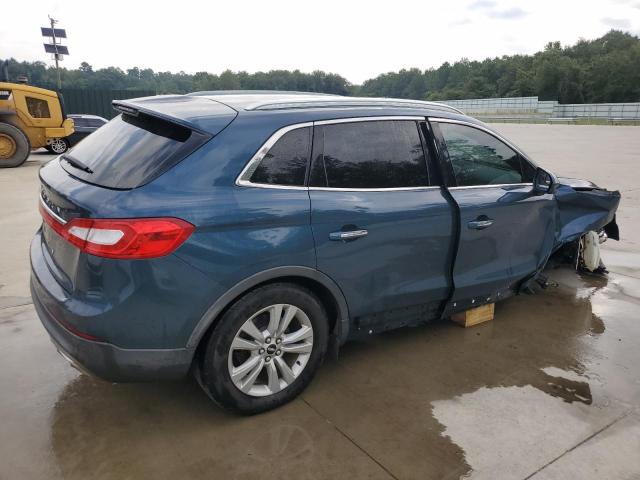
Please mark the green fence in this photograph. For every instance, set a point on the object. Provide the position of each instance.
(97, 102)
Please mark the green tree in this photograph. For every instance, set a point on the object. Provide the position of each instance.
(606, 69)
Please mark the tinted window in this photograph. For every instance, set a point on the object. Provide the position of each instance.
(286, 161)
(376, 154)
(79, 122)
(95, 122)
(38, 108)
(478, 158)
(130, 151)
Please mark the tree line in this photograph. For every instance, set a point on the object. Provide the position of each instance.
(606, 69)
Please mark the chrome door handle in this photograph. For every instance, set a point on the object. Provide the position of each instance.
(480, 224)
(348, 235)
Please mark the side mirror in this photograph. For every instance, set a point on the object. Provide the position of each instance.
(543, 181)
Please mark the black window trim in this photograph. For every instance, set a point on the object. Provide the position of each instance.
(496, 136)
(243, 178)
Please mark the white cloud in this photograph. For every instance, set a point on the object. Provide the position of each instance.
(618, 23)
(480, 4)
(460, 22)
(510, 13)
(493, 10)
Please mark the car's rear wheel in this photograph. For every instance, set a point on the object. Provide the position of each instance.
(266, 348)
(14, 146)
(58, 146)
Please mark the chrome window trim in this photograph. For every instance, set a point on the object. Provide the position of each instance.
(242, 179)
(390, 189)
(414, 118)
(497, 185)
(252, 164)
(51, 212)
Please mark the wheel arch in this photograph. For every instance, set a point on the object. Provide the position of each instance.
(316, 281)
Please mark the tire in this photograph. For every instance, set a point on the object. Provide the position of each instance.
(14, 146)
(58, 146)
(218, 360)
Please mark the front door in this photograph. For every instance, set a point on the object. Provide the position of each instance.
(382, 232)
(506, 229)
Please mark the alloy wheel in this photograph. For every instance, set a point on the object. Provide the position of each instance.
(58, 145)
(270, 350)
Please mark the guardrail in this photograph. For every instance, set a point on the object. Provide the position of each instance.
(558, 120)
(531, 108)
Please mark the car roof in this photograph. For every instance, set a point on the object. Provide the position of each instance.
(266, 100)
(212, 111)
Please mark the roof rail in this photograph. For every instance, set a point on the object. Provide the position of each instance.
(354, 102)
(255, 92)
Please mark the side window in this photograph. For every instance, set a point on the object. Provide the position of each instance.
(95, 122)
(478, 158)
(37, 108)
(79, 122)
(286, 162)
(376, 154)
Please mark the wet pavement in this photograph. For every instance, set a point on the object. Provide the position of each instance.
(549, 389)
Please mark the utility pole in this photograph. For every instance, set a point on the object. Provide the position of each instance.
(55, 48)
(55, 55)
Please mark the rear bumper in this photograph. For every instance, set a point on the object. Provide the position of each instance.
(100, 358)
(108, 361)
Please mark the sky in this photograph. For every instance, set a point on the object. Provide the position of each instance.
(356, 39)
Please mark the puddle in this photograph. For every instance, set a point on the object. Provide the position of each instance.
(498, 400)
(587, 381)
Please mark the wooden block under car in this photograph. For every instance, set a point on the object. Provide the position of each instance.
(474, 316)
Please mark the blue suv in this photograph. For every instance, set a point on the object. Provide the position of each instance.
(242, 236)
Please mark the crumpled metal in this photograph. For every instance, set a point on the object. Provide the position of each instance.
(584, 209)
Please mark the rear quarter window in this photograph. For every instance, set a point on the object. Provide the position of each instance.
(286, 162)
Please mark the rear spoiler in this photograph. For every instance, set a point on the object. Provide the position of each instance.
(199, 114)
(135, 111)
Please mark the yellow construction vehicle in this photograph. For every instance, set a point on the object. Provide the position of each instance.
(30, 118)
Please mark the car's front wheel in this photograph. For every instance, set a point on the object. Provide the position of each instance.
(265, 349)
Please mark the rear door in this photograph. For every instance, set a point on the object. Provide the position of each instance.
(382, 231)
(505, 228)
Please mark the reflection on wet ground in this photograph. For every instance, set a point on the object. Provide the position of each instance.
(500, 400)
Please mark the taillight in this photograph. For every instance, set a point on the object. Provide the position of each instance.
(122, 238)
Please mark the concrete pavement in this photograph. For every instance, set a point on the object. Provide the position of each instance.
(547, 390)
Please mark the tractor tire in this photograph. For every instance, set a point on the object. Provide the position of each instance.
(14, 146)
